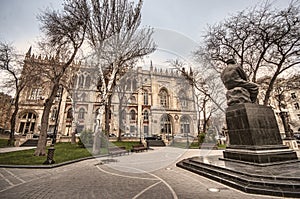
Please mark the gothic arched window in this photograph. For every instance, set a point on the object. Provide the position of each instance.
(132, 115)
(80, 81)
(183, 99)
(184, 125)
(163, 97)
(88, 82)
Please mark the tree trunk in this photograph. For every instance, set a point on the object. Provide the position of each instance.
(270, 89)
(107, 115)
(42, 142)
(11, 141)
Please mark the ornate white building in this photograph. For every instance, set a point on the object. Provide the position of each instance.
(144, 103)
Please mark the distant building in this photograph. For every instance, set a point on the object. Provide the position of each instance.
(289, 103)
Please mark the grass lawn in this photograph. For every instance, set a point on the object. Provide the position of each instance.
(63, 152)
(3, 143)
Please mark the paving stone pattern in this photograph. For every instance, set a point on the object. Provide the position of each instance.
(96, 179)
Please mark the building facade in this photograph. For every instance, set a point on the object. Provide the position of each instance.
(144, 103)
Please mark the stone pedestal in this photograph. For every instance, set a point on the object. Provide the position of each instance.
(254, 136)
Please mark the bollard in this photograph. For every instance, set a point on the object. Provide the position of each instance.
(50, 155)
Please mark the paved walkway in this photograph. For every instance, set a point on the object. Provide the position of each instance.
(11, 149)
(143, 175)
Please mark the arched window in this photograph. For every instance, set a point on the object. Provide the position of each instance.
(81, 113)
(163, 96)
(70, 113)
(146, 115)
(146, 98)
(184, 125)
(80, 81)
(165, 123)
(88, 82)
(183, 99)
(132, 115)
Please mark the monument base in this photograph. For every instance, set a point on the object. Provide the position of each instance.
(262, 155)
(254, 136)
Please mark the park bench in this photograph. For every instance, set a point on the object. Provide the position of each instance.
(117, 150)
(138, 148)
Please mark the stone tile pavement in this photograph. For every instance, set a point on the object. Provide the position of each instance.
(151, 174)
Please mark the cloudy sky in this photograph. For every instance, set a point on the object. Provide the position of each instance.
(178, 24)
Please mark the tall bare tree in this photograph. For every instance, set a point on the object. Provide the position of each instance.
(117, 43)
(262, 40)
(11, 65)
(64, 33)
(209, 93)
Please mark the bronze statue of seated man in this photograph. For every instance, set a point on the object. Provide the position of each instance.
(240, 90)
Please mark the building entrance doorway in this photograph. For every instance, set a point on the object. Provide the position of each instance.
(166, 126)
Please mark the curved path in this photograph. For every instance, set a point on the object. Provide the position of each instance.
(145, 175)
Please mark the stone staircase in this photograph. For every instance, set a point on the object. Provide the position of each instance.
(156, 143)
(282, 186)
(30, 142)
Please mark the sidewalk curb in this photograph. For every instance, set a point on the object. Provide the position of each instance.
(51, 166)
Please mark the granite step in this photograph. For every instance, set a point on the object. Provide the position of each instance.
(265, 185)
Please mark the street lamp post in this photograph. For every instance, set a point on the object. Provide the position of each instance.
(141, 128)
(288, 140)
(51, 149)
(57, 115)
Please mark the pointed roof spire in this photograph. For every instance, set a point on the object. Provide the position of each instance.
(28, 52)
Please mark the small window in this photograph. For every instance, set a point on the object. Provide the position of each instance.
(146, 98)
(35, 94)
(87, 82)
(70, 114)
(81, 113)
(146, 115)
(296, 105)
(80, 81)
(132, 115)
(54, 113)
